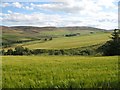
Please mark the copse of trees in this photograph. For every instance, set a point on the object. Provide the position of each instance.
(112, 47)
(19, 50)
(70, 35)
(47, 39)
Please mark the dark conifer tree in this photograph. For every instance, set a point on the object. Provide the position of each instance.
(112, 47)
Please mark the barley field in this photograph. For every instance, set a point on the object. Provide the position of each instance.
(59, 72)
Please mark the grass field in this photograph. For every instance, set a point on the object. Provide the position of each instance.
(71, 42)
(59, 72)
(67, 42)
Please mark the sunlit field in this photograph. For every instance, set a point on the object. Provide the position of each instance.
(59, 72)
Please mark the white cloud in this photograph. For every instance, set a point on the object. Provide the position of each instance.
(98, 13)
(28, 8)
(64, 7)
(107, 3)
(9, 11)
(32, 19)
(41, 19)
(17, 4)
(77, 6)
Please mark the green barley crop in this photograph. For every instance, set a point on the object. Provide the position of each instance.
(59, 72)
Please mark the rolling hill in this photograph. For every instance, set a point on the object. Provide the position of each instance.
(33, 37)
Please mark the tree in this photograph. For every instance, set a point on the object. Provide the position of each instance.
(50, 38)
(112, 47)
(3, 52)
(10, 52)
(115, 35)
(19, 50)
(45, 39)
(27, 51)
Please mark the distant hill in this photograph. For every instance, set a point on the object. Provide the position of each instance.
(31, 28)
(43, 30)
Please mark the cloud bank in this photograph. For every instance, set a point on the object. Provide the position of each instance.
(96, 13)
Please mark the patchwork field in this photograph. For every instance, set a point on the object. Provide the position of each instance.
(33, 37)
(72, 42)
(59, 72)
(67, 42)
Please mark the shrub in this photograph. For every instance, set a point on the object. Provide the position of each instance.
(50, 38)
(9, 52)
(87, 52)
(19, 50)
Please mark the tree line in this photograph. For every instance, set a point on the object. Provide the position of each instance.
(19, 50)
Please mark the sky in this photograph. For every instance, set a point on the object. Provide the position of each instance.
(60, 13)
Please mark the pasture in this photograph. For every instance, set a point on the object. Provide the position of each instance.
(59, 72)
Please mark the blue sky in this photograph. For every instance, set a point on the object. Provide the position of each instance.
(94, 13)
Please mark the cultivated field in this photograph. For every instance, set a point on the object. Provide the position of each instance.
(67, 42)
(72, 42)
(59, 72)
(33, 37)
